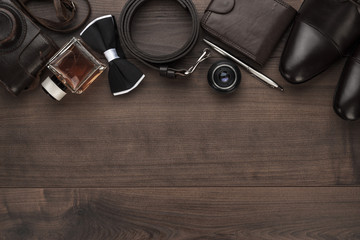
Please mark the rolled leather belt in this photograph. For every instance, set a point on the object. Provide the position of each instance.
(159, 63)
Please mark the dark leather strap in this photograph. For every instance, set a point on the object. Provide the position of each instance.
(159, 63)
(65, 11)
(356, 2)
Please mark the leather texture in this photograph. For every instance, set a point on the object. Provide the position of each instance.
(66, 13)
(221, 7)
(8, 23)
(252, 27)
(159, 63)
(24, 50)
(347, 97)
(323, 32)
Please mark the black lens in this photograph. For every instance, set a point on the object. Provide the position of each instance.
(224, 76)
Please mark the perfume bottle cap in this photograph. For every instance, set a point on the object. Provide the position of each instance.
(54, 88)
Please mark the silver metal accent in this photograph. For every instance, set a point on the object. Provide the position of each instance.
(70, 7)
(255, 73)
(53, 89)
(205, 55)
(232, 85)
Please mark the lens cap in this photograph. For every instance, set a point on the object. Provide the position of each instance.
(224, 76)
(11, 23)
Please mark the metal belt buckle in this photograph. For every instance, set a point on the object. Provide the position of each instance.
(205, 55)
(70, 5)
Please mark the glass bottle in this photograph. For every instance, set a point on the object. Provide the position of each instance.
(74, 69)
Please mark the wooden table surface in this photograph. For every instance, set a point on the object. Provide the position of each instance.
(176, 160)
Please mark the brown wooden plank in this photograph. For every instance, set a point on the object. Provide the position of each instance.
(179, 132)
(180, 213)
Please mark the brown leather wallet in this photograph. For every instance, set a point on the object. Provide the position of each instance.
(253, 27)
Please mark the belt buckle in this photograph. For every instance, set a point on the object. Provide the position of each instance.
(205, 55)
(69, 5)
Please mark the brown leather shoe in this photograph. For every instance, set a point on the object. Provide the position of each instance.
(323, 32)
(347, 97)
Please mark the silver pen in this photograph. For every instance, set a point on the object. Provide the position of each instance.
(257, 74)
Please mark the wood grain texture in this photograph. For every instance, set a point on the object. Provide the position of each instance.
(180, 213)
(175, 160)
(178, 132)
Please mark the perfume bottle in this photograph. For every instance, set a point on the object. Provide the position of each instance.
(74, 69)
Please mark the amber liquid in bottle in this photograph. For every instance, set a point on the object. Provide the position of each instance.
(76, 69)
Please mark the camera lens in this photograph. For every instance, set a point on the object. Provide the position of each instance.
(7, 25)
(224, 76)
(11, 34)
